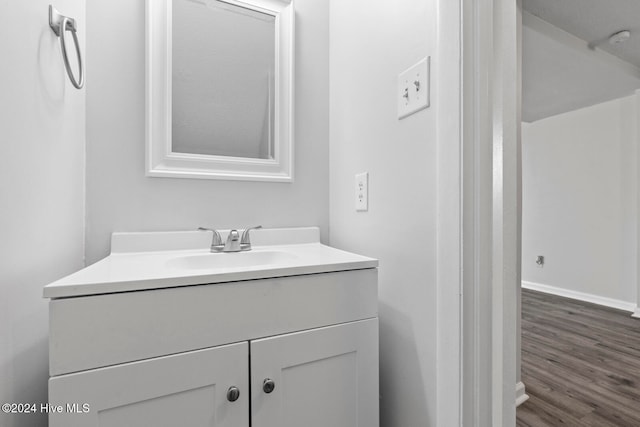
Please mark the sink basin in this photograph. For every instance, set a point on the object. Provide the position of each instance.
(230, 260)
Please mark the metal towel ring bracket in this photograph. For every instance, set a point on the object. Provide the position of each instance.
(59, 24)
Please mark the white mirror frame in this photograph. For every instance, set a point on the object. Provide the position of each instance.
(161, 160)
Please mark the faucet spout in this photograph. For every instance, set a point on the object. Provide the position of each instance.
(233, 242)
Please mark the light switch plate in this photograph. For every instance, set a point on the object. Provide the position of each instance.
(362, 192)
(413, 88)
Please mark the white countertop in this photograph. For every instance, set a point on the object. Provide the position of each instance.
(140, 261)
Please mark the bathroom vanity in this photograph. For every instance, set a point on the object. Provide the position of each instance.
(164, 333)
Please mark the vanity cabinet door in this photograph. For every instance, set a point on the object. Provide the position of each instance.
(186, 390)
(317, 378)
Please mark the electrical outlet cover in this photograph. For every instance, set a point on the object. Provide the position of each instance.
(362, 192)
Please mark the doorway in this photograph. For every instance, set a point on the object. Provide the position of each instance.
(580, 137)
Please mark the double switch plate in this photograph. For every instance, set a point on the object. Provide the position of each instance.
(413, 88)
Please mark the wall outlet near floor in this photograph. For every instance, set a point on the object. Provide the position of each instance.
(362, 192)
(540, 261)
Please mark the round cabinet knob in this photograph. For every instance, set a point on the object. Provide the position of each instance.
(233, 394)
(268, 385)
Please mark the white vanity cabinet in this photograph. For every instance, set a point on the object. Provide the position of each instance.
(322, 377)
(187, 390)
(301, 350)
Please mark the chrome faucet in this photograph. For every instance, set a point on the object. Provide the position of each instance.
(234, 242)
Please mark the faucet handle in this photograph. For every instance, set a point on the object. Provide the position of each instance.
(245, 240)
(217, 239)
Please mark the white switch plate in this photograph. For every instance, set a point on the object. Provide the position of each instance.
(362, 192)
(413, 88)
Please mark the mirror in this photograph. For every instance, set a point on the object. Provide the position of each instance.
(219, 89)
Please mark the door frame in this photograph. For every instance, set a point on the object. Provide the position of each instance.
(490, 219)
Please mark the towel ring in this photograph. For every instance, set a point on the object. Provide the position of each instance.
(59, 24)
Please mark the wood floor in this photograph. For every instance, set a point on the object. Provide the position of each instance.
(580, 364)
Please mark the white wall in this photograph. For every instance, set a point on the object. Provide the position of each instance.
(42, 135)
(400, 156)
(579, 200)
(121, 198)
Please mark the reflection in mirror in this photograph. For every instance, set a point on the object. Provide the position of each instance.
(219, 94)
(222, 80)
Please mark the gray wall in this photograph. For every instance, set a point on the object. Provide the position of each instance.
(42, 134)
(121, 198)
(400, 156)
(579, 201)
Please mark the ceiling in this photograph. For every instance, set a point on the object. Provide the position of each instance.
(561, 70)
(594, 21)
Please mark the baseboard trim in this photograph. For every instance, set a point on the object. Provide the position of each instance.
(521, 395)
(636, 313)
(582, 296)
